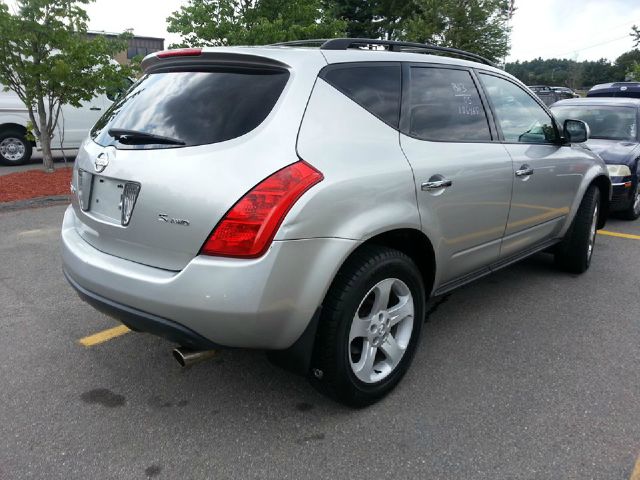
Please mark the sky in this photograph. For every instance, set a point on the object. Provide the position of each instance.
(577, 29)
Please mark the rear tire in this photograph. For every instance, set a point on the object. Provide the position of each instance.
(575, 251)
(633, 212)
(369, 328)
(15, 149)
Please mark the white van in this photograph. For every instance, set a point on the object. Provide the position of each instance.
(73, 126)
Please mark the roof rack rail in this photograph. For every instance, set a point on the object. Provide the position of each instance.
(392, 45)
(300, 43)
(395, 46)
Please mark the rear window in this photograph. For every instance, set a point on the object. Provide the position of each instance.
(192, 108)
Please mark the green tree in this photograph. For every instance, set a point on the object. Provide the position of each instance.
(478, 26)
(635, 33)
(359, 17)
(252, 22)
(562, 71)
(48, 61)
(626, 63)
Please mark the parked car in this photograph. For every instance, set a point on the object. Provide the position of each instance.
(545, 93)
(74, 125)
(565, 92)
(550, 95)
(280, 198)
(615, 136)
(618, 89)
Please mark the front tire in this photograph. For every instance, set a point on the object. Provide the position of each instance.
(15, 149)
(575, 251)
(369, 327)
(633, 212)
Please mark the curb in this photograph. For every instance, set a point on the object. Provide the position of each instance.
(35, 203)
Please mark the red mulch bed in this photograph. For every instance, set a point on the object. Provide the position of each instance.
(34, 184)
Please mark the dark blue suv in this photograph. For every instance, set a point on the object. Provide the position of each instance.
(617, 89)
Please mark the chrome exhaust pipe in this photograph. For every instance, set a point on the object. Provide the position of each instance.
(187, 357)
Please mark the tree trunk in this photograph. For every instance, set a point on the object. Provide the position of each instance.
(45, 138)
(47, 156)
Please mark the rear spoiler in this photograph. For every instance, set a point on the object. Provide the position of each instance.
(197, 58)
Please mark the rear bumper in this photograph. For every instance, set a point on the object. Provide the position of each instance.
(143, 321)
(259, 303)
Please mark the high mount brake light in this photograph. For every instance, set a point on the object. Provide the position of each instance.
(180, 52)
(246, 231)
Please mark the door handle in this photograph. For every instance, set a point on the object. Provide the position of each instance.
(525, 171)
(95, 108)
(437, 185)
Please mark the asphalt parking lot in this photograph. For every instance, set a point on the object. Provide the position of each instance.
(528, 374)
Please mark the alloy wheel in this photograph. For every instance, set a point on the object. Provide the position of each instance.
(381, 330)
(592, 232)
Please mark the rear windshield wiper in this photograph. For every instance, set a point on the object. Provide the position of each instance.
(134, 137)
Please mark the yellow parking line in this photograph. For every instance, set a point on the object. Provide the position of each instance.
(103, 336)
(635, 475)
(618, 234)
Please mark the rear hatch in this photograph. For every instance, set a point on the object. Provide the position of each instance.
(187, 141)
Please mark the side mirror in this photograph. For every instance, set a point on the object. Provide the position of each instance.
(576, 131)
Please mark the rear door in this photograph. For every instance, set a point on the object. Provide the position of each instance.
(462, 173)
(546, 176)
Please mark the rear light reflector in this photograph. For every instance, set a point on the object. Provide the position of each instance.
(246, 231)
(128, 202)
(85, 181)
(180, 52)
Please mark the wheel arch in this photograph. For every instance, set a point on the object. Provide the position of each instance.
(595, 176)
(9, 126)
(412, 242)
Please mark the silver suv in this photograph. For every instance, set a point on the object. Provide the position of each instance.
(308, 201)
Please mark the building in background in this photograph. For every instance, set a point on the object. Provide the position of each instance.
(138, 46)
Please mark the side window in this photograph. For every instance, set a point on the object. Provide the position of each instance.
(445, 106)
(520, 117)
(374, 87)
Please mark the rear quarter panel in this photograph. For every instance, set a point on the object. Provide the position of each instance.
(368, 185)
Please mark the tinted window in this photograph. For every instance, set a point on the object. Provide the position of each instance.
(196, 108)
(376, 88)
(445, 105)
(520, 117)
(613, 123)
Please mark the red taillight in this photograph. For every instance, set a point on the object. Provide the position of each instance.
(246, 231)
(180, 52)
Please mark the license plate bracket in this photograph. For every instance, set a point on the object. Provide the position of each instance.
(106, 199)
